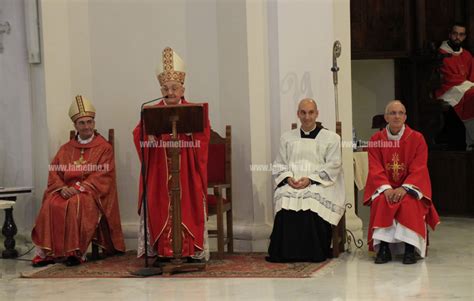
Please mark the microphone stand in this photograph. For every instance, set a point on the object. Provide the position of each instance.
(146, 271)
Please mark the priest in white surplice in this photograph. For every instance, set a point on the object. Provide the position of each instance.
(309, 195)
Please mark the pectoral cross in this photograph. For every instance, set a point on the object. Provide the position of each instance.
(81, 160)
(396, 167)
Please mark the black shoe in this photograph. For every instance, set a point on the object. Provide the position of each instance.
(160, 260)
(409, 257)
(272, 259)
(157, 263)
(72, 261)
(383, 255)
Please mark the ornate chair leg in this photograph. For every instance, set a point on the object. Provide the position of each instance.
(220, 234)
(230, 233)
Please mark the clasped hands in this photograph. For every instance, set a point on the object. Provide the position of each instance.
(299, 184)
(68, 192)
(395, 195)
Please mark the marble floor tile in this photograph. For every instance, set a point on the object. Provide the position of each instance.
(446, 274)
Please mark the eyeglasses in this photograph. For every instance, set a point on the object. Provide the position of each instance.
(172, 88)
(458, 34)
(393, 113)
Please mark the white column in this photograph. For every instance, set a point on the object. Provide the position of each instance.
(259, 104)
(241, 42)
(57, 70)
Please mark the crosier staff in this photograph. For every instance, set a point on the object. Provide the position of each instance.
(336, 52)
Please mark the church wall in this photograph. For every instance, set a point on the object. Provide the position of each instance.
(372, 88)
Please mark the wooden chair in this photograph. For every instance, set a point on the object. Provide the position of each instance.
(219, 172)
(102, 225)
(339, 231)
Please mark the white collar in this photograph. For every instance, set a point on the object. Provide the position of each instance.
(307, 133)
(396, 136)
(82, 141)
(445, 46)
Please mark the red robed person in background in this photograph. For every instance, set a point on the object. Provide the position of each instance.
(457, 87)
(81, 196)
(193, 176)
(398, 190)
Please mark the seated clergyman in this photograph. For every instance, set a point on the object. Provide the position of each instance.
(81, 196)
(310, 196)
(398, 190)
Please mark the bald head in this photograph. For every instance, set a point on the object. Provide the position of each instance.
(395, 115)
(305, 102)
(307, 113)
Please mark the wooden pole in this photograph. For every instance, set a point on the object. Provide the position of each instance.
(175, 194)
(177, 263)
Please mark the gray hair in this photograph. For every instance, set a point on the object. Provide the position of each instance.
(393, 102)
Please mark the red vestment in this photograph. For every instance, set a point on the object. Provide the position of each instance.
(396, 163)
(193, 184)
(455, 70)
(66, 227)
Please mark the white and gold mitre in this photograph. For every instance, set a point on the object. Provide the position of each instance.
(171, 68)
(81, 107)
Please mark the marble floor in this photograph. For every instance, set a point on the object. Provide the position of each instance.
(446, 274)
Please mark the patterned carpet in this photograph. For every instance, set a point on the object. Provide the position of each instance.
(237, 265)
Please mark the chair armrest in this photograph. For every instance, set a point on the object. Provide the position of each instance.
(218, 189)
(220, 186)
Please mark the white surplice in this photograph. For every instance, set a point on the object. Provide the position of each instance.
(318, 159)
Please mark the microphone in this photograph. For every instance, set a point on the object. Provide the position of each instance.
(147, 102)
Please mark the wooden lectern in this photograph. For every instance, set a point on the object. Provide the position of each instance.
(175, 119)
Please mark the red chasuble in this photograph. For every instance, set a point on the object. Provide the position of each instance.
(193, 183)
(455, 70)
(66, 227)
(396, 163)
